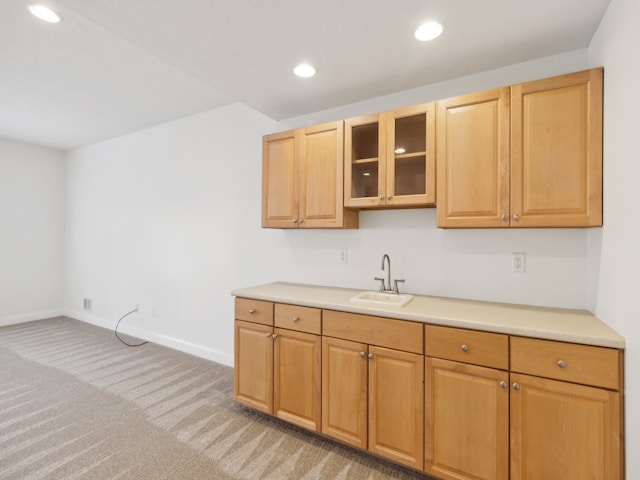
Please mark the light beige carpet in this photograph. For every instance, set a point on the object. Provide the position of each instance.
(77, 404)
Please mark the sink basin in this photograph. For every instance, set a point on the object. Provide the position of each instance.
(382, 299)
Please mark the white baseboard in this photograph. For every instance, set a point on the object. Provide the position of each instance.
(144, 334)
(30, 317)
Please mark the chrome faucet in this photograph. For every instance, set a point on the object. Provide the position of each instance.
(386, 287)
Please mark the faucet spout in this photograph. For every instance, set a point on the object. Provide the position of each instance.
(387, 287)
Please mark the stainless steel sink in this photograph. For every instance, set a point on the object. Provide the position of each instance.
(382, 299)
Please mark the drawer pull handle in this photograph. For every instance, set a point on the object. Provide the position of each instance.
(464, 348)
(516, 386)
(295, 319)
(370, 356)
(503, 384)
(561, 363)
(362, 354)
(251, 311)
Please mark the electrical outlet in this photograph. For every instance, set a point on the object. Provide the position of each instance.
(87, 304)
(517, 262)
(342, 255)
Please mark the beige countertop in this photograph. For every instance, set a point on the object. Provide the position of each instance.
(577, 326)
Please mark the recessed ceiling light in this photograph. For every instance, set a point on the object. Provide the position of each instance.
(428, 31)
(45, 13)
(304, 70)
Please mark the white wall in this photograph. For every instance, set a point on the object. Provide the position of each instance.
(31, 232)
(169, 218)
(613, 250)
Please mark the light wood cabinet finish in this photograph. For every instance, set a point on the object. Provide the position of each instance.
(256, 311)
(303, 179)
(385, 332)
(589, 365)
(525, 156)
(297, 367)
(301, 319)
(473, 159)
(564, 431)
(390, 159)
(396, 405)
(468, 346)
(373, 399)
(253, 372)
(504, 407)
(467, 421)
(556, 151)
(345, 391)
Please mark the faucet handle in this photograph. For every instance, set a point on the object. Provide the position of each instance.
(382, 285)
(395, 284)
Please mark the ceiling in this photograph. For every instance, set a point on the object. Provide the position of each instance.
(117, 66)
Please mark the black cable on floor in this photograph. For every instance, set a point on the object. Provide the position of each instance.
(118, 336)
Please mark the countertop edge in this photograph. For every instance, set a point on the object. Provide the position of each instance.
(565, 325)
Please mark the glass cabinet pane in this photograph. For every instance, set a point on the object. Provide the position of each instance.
(410, 155)
(364, 161)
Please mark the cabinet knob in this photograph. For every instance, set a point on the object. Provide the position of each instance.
(503, 384)
(251, 311)
(275, 335)
(389, 197)
(561, 363)
(301, 220)
(370, 356)
(362, 354)
(464, 348)
(516, 217)
(516, 386)
(268, 335)
(381, 197)
(295, 319)
(503, 217)
(295, 220)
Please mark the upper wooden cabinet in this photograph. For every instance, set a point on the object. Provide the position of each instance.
(389, 158)
(473, 159)
(525, 156)
(302, 179)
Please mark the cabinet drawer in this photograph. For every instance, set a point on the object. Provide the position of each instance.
(257, 311)
(384, 332)
(597, 366)
(301, 319)
(468, 346)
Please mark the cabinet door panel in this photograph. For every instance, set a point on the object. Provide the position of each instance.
(473, 160)
(297, 378)
(365, 171)
(279, 182)
(556, 177)
(344, 391)
(396, 406)
(467, 429)
(253, 370)
(321, 175)
(410, 156)
(564, 431)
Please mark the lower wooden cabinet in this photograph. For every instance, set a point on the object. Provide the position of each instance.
(564, 431)
(457, 404)
(372, 399)
(297, 378)
(345, 391)
(253, 373)
(467, 427)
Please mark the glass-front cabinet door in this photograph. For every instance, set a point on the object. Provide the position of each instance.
(365, 161)
(389, 159)
(411, 156)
